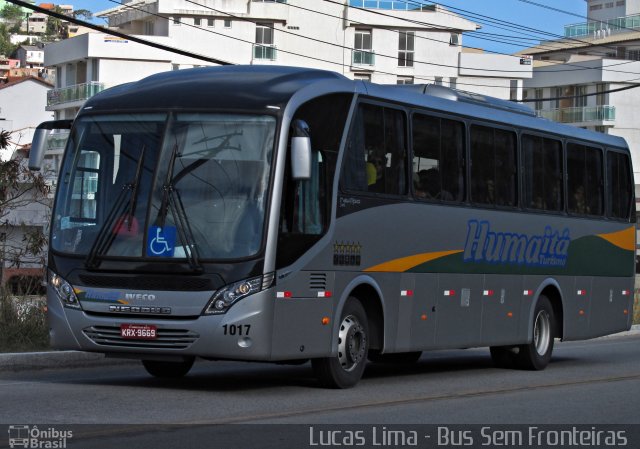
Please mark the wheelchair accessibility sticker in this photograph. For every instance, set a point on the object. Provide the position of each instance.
(161, 242)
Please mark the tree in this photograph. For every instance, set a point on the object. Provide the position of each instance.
(12, 13)
(6, 47)
(54, 25)
(82, 13)
(13, 16)
(21, 188)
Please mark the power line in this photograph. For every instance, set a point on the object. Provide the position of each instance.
(383, 55)
(546, 46)
(375, 71)
(118, 34)
(245, 19)
(508, 71)
(341, 64)
(196, 56)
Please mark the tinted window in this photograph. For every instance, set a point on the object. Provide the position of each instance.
(619, 187)
(542, 173)
(438, 158)
(584, 181)
(493, 167)
(376, 152)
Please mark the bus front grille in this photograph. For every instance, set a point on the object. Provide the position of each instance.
(166, 338)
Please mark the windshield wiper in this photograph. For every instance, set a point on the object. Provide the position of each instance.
(105, 236)
(171, 200)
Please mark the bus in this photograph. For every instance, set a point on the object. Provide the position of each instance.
(281, 214)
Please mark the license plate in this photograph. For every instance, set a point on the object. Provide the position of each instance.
(138, 331)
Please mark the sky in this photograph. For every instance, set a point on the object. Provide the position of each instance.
(516, 11)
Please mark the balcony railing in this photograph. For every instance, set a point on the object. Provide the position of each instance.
(588, 28)
(580, 115)
(78, 92)
(57, 140)
(397, 5)
(362, 57)
(264, 52)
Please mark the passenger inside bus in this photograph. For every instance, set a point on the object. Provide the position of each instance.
(378, 184)
(580, 202)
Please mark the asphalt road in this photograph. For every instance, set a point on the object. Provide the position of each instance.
(594, 382)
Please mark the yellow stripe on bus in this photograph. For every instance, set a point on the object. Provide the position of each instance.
(625, 239)
(406, 263)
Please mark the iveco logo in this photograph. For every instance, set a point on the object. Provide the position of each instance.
(139, 297)
(137, 309)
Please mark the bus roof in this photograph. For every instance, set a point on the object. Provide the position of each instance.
(235, 87)
(245, 87)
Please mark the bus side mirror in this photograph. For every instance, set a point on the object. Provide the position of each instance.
(39, 143)
(300, 151)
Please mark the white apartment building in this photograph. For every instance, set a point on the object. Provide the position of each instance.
(22, 108)
(30, 56)
(401, 45)
(596, 57)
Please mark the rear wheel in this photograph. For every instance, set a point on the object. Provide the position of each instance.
(345, 370)
(537, 354)
(168, 370)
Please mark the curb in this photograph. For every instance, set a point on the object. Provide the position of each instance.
(25, 361)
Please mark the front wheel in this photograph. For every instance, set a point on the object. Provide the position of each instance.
(345, 370)
(537, 354)
(168, 370)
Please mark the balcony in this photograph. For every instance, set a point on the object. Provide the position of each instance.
(264, 52)
(588, 28)
(78, 92)
(57, 141)
(401, 5)
(363, 57)
(585, 114)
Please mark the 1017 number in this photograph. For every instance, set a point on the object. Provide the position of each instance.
(236, 329)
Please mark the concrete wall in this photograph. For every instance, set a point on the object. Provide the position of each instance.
(23, 107)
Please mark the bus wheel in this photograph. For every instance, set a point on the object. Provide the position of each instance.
(345, 370)
(400, 358)
(170, 370)
(537, 354)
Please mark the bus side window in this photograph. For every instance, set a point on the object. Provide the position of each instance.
(584, 183)
(619, 186)
(438, 159)
(376, 156)
(543, 173)
(493, 166)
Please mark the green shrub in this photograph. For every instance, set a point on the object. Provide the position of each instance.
(23, 323)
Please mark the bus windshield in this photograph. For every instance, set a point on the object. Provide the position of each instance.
(185, 185)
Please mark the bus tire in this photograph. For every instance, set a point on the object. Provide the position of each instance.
(345, 369)
(399, 358)
(537, 354)
(168, 370)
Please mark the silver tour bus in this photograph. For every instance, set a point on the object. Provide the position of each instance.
(283, 214)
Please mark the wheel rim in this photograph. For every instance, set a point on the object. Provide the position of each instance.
(542, 332)
(352, 343)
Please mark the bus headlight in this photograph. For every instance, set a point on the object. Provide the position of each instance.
(64, 290)
(227, 296)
